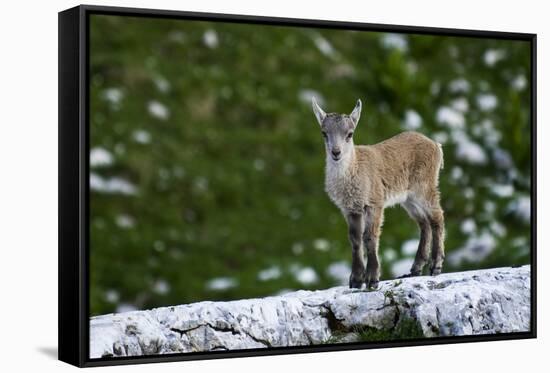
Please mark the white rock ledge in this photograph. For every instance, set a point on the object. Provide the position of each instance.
(463, 303)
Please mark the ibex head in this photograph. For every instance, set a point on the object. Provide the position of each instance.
(337, 130)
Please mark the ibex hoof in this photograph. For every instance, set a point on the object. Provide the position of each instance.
(372, 284)
(435, 271)
(355, 283)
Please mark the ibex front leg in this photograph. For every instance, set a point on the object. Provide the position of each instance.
(355, 229)
(371, 235)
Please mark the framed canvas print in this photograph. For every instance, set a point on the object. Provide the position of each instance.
(224, 181)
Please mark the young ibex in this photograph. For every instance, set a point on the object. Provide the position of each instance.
(363, 180)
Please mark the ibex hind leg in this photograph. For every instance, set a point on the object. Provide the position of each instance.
(438, 237)
(418, 214)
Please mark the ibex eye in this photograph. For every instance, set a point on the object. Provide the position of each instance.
(324, 134)
(349, 135)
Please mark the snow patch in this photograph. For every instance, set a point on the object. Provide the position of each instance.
(459, 85)
(502, 190)
(489, 207)
(467, 150)
(409, 247)
(487, 101)
(297, 248)
(412, 121)
(486, 130)
(450, 117)
(210, 39)
(395, 41)
(114, 185)
(389, 254)
(457, 173)
(492, 56)
(305, 95)
(521, 208)
(460, 104)
(221, 283)
(100, 157)
(141, 136)
(321, 244)
(158, 110)
(113, 95)
(498, 229)
(161, 83)
(161, 287)
(441, 137)
(402, 267)
(305, 275)
(519, 83)
(468, 226)
(271, 273)
(126, 307)
(340, 272)
(125, 221)
(112, 296)
(502, 159)
(476, 249)
(324, 46)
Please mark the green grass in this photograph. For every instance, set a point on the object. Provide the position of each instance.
(406, 328)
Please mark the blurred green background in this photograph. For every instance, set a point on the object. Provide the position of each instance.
(207, 164)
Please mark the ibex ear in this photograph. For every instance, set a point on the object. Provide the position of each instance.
(319, 113)
(356, 113)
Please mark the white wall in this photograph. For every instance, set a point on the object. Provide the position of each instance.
(28, 181)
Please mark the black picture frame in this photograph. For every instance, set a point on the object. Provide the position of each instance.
(74, 184)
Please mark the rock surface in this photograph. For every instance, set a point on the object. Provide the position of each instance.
(464, 303)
